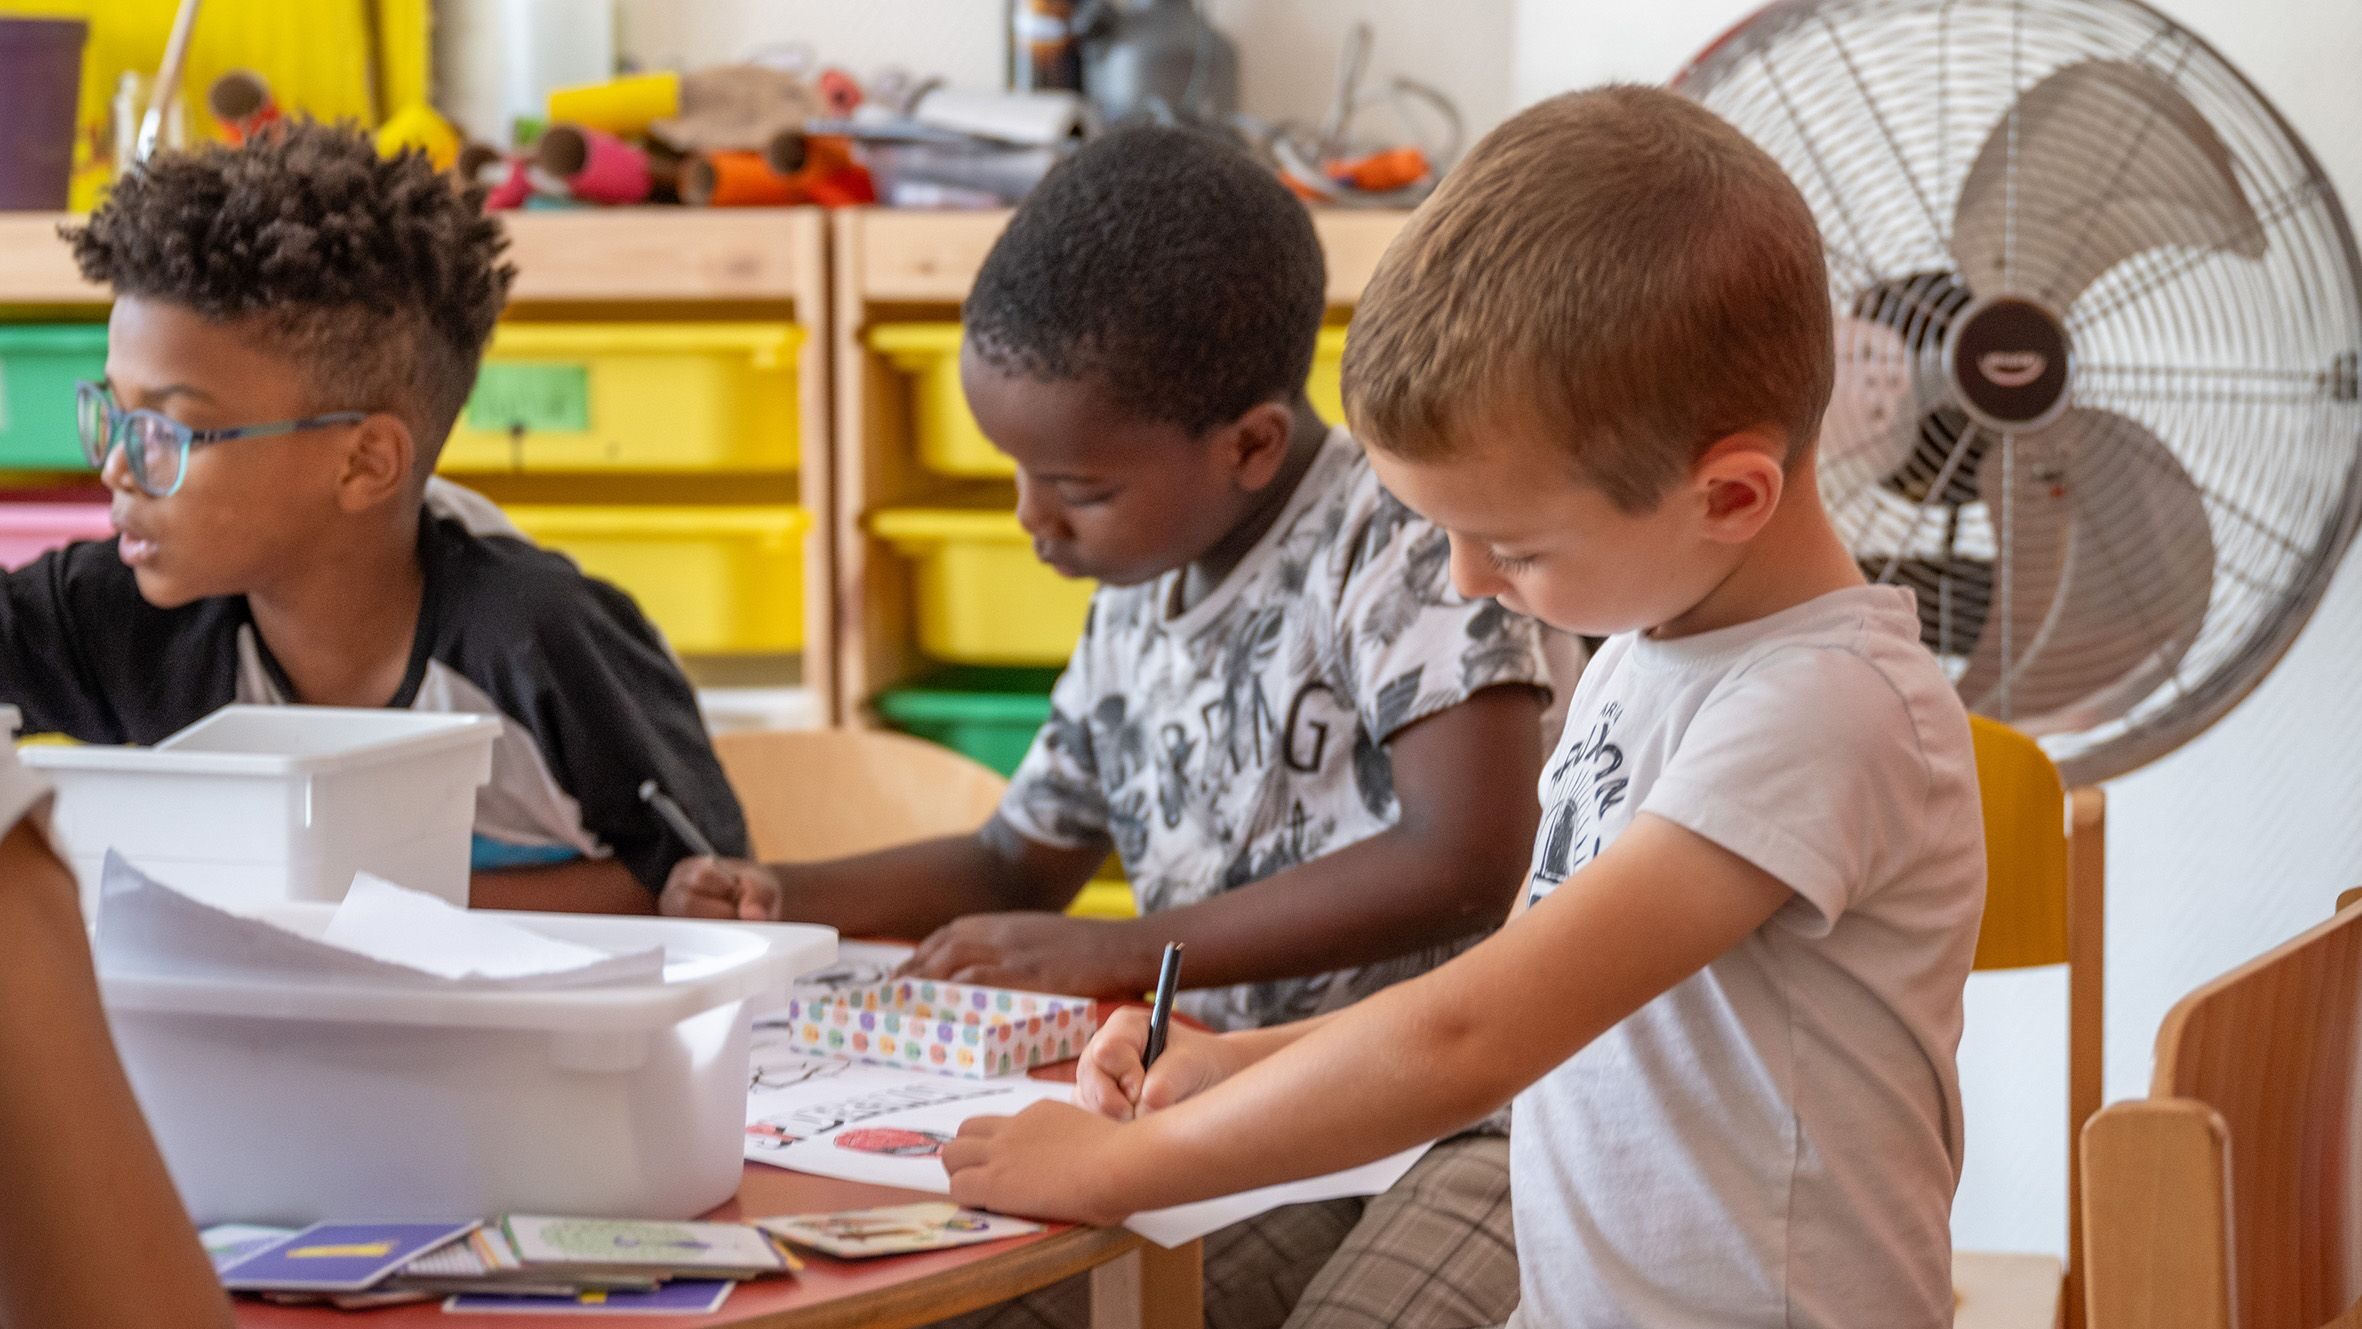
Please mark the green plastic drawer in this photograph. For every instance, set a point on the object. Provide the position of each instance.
(39, 365)
(990, 715)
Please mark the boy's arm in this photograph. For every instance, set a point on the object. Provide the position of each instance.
(1409, 1064)
(908, 890)
(44, 669)
(91, 1229)
(1464, 778)
(585, 886)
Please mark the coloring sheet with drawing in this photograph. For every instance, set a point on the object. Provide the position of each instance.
(834, 1117)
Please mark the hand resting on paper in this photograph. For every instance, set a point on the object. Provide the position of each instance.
(1109, 1079)
(1038, 951)
(997, 1163)
(721, 888)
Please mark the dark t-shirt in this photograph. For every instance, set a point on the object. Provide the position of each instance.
(591, 701)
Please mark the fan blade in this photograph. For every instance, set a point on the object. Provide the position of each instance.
(2031, 517)
(2111, 160)
(2137, 577)
(1873, 414)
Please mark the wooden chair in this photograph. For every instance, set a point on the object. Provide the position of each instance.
(825, 793)
(2227, 1198)
(2046, 867)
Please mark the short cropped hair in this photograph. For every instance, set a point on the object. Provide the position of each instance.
(1618, 265)
(375, 276)
(1166, 263)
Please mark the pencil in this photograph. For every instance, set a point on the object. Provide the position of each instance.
(1160, 1016)
(652, 794)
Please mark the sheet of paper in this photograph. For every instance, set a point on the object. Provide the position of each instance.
(1187, 1222)
(832, 1117)
(418, 931)
(392, 938)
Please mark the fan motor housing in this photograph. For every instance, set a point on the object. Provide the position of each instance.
(2009, 359)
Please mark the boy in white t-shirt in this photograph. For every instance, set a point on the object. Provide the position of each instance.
(81, 1182)
(1729, 1000)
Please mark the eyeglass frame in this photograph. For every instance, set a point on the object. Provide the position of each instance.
(115, 421)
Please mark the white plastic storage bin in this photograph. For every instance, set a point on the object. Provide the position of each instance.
(258, 803)
(280, 1103)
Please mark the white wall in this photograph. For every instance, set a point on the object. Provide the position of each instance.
(2216, 852)
(1287, 48)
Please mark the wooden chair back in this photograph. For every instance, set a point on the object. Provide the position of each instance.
(825, 793)
(2226, 1199)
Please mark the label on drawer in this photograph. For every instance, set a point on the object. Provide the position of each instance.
(536, 397)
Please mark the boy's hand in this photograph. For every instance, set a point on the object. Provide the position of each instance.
(1038, 952)
(1050, 1161)
(721, 888)
(1109, 1080)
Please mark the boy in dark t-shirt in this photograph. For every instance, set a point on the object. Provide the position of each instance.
(297, 325)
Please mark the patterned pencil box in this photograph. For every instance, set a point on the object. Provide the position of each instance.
(949, 1028)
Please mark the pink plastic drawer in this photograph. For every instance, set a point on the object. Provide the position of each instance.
(30, 528)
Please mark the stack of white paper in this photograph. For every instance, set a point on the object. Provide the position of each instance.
(382, 933)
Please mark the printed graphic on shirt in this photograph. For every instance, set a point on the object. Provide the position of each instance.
(1587, 780)
(1245, 736)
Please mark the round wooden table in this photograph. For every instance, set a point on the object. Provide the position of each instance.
(1135, 1284)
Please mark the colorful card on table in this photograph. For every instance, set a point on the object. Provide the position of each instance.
(688, 1296)
(723, 1250)
(338, 1257)
(900, 1229)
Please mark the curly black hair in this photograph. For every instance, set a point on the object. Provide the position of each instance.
(374, 275)
(1165, 262)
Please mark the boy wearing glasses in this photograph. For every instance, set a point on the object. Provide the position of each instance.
(297, 325)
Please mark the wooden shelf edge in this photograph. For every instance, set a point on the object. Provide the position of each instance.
(586, 255)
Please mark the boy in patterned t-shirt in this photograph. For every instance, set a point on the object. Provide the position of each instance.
(1310, 752)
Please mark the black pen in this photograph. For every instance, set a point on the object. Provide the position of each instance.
(1160, 1016)
(652, 794)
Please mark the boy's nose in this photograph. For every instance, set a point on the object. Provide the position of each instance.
(1038, 512)
(1473, 574)
(115, 471)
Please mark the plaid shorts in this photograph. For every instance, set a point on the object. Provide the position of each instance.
(1435, 1252)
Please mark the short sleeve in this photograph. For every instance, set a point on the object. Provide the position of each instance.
(1807, 765)
(1412, 645)
(609, 708)
(1055, 798)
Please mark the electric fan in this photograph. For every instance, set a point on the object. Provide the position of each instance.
(2097, 325)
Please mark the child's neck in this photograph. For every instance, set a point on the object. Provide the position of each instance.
(341, 627)
(1796, 557)
(1305, 437)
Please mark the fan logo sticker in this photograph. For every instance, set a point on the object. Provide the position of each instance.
(2012, 369)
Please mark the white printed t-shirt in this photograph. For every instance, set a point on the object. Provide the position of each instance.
(1776, 1140)
(1247, 734)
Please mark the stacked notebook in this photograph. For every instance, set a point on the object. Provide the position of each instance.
(520, 1258)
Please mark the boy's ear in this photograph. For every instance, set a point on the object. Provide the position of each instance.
(1739, 483)
(1256, 444)
(377, 463)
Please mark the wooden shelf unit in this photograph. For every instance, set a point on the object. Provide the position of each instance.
(624, 264)
(906, 265)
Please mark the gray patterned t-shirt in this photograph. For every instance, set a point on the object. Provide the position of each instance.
(1246, 735)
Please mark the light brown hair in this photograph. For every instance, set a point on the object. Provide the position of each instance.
(1617, 266)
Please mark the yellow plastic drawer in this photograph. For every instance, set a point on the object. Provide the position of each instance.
(717, 580)
(1105, 899)
(632, 397)
(983, 598)
(946, 435)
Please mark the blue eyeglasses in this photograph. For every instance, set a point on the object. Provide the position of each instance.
(157, 446)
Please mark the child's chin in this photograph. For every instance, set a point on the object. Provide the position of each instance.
(163, 590)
